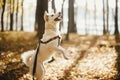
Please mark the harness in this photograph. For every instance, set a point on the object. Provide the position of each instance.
(51, 39)
(37, 51)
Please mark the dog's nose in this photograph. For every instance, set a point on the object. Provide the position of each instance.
(60, 13)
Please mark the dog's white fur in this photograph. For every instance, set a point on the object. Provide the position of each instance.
(46, 50)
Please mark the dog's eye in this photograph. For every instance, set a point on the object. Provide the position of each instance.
(52, 15)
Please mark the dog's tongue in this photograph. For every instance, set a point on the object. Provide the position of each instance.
(59, 18)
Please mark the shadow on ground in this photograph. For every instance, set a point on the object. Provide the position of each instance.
(117, 47)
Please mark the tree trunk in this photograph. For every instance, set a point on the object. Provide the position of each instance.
(104, 29)
(116, 19)
(61, 24)
(107, 26)
(2, 15)
(16, 19)
(53, 6)
(71, 23)
(7, 16)
(7, 20)
(42, 5)
(22, 15)
(35, 26)
(11, 14)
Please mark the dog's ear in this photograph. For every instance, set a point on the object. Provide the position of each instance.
(45, 16)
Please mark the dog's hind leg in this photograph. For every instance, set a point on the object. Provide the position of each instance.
(40, 71)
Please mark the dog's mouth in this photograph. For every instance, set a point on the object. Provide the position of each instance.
(59, 18)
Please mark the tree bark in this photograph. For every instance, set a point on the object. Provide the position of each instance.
(2, 15)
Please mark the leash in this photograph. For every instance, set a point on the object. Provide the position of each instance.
(38, 49)
(35, 60)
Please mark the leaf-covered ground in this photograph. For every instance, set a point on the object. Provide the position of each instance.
(90, 57)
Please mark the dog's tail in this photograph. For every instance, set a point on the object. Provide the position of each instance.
(26, 57)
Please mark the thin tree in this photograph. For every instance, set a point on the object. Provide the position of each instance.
(16, 19)
(2, 15)
(61, 24)
(22, 10)
(116, 18)
(11, 14)
(104, 29)
(53, 5)
(71, 22)
(8, 14)
(107, 25)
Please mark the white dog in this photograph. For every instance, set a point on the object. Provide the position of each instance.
(52, 38)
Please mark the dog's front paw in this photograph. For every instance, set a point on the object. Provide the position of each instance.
(66, 56)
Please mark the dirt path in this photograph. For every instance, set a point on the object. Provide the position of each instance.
(89, 42)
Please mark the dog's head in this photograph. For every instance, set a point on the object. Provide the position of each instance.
(53, 18)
